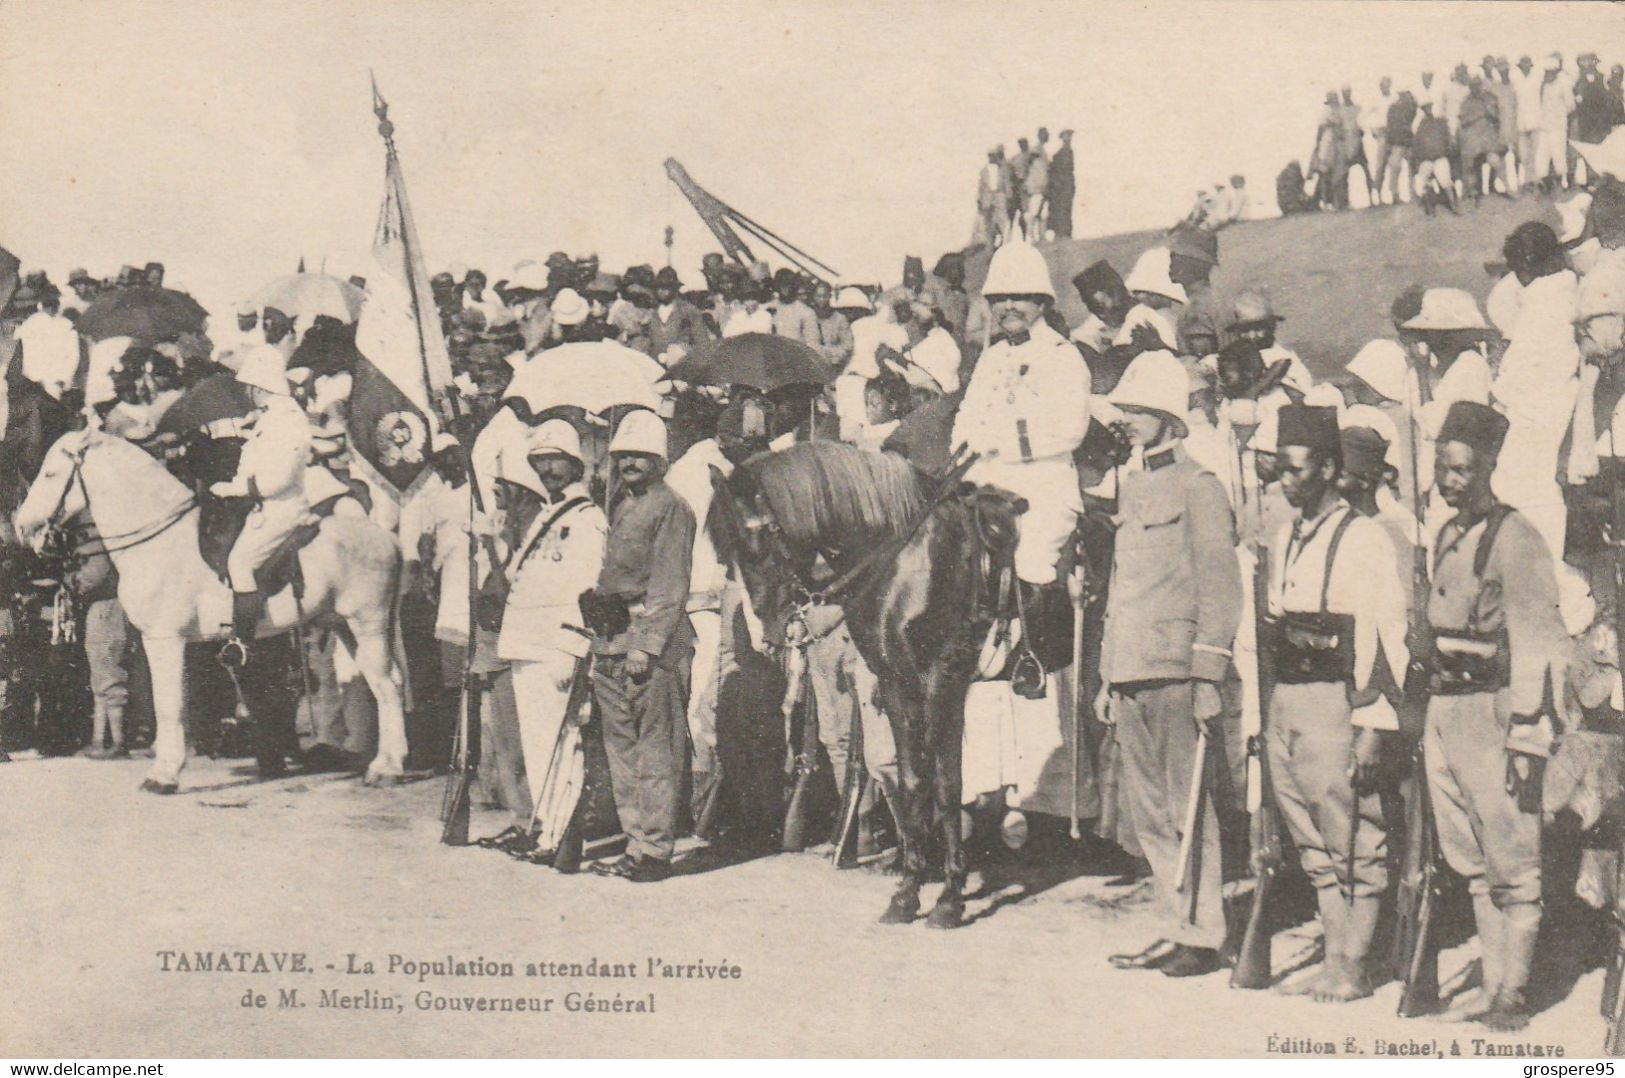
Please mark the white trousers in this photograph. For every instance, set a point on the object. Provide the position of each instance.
(267, 526)
(1050, 486)
(553, 758)
(705, 679)
(1551, 154)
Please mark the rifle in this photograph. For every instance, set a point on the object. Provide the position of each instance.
(1613, 990)
(855, 782)
(456, 805)
(798, 697)
(1416, 943)
(1253, 964)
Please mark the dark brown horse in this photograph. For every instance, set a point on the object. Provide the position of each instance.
(901, 556)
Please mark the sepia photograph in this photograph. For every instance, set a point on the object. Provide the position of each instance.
(812, 529)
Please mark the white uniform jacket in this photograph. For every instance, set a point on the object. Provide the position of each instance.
(273, 460)
(548, 575)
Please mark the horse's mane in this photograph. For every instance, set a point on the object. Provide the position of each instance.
(134, 464)
(825, 490)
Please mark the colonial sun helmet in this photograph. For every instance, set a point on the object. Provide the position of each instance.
(1018, 269)
(640, 432)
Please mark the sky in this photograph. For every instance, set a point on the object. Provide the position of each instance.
(230, 139)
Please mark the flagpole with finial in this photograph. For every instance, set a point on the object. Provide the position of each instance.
(457, 804)
(392, 164)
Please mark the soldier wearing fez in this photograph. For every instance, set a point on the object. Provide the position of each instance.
(1498, 663)
(1337, 634)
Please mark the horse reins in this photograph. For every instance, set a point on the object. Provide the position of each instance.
(846, 582)
(105, 544)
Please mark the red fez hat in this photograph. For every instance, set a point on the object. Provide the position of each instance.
(1311, 426)
(1477, 425)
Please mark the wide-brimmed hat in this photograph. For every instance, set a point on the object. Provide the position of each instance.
(1155, 382)
(1381, 364)
(667, 278)
(568, 308)
(1152, 274)
(1448, 309)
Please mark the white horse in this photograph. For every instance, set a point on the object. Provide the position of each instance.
(149, 523)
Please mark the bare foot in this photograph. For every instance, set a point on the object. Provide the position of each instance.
(1508, 1014)
(1312, 987)
(1340, 984)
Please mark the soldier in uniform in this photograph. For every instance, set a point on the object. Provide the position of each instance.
(644, 646)
(1025, 411)
(271, 470)
(559, 557)
(1498, 667)
(1337, 611)
(1171, 619)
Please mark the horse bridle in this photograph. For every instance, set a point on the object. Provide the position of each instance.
(104, 544)
(846, 583)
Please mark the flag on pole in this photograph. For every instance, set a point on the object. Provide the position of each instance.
(403, 364)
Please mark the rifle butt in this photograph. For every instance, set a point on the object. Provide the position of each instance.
(795, 816)
(459, 807)
(1253, 970)
(1614, 1043)
(455, 830)
(1420, 994)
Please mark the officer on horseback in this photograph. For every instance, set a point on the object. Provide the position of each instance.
(1025, 411)
(271, 470)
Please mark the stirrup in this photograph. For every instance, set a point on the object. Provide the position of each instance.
(1027, 676)
(233, 654)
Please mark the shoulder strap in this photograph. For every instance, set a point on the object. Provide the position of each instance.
(1486, 543)
(541, 533)
(1331, 555)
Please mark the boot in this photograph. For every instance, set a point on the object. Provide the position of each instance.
(1520, 928)
(246, 607)
(1491, 948)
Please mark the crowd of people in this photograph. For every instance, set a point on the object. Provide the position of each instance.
(1032, 189)
(1500, 129)
(1179, 435)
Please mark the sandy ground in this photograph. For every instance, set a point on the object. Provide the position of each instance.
(101, 879)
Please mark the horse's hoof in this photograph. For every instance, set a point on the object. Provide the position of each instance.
(950, 916)
(900, 913)
(383, 778)
(153, 786)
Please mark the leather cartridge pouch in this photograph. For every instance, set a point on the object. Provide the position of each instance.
(1469, 662)
(1314, 646)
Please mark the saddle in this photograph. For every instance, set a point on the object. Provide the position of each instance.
(1044, 643)
(221, 521)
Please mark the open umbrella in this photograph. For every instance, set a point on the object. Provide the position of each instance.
(144, 314)
(219, 396)
(306, 295)
(759, 360)
(594, 376)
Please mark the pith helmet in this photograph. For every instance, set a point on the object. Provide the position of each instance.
(1018, 269)
(640, 432)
